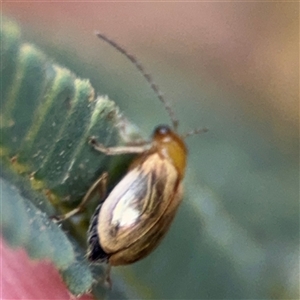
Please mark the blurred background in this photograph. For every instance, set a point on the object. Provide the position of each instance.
(232, 67)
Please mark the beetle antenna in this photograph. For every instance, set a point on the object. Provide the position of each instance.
(147, 76)
(195, 131)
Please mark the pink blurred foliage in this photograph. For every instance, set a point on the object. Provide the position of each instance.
(23, 278)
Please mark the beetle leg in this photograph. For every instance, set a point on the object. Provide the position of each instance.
(99, 185)
(107, 278)
(119, 150)
(138, 143)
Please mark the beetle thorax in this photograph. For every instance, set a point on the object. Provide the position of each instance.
(171, 146)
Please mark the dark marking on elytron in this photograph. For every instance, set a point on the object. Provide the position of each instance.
(159, 179)
(114, 230)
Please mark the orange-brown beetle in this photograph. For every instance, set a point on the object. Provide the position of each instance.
(131, 221)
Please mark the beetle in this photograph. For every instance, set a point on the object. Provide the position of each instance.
(133, 218)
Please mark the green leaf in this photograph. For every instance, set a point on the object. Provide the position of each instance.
(42, 239)
(47, 116)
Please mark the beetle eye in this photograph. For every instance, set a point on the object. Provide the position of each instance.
(162, 130)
